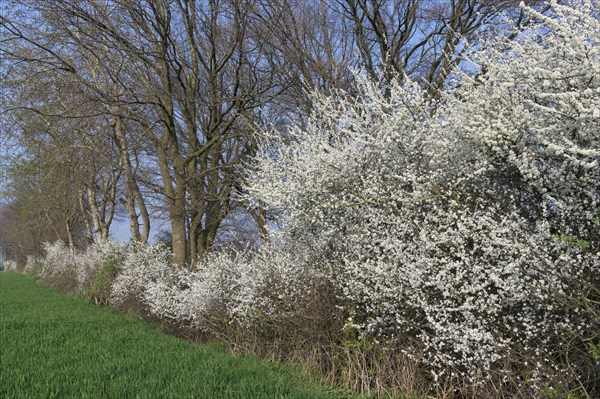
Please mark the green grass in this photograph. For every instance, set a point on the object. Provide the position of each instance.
(58, 346)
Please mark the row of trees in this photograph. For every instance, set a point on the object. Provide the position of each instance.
(156, 107)
(438, 213)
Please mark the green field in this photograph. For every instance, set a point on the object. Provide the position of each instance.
(58, 346)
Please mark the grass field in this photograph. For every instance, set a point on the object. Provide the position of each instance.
(57, 346)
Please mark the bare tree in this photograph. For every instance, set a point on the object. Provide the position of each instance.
(423, 39)
(58, 86)
(194, 77)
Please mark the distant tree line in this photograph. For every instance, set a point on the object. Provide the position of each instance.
(156, 107)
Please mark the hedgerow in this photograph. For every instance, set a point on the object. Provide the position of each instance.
(460, 235)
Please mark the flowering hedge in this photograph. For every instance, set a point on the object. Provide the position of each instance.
(466, 227)
(462, 233)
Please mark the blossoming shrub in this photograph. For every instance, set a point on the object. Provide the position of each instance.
(141, 266)
(58, 264)
(439, 224)
(245, 289)
(532, 118)
(100, 288)
(107, 271)
(75, 271)
(277, 282)
(196, 299)
(533, 133)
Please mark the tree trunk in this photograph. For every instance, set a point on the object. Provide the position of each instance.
(178, 235)
(132, 190)
(89, 234)
(70, 234)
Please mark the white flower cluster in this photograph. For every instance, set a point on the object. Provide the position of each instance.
(240, 287)
(142, 266)
(61, 260)
(196, 298)
(532, 116)
(437, 223)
